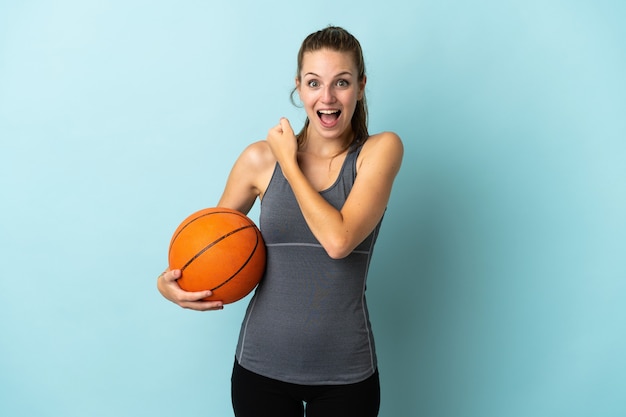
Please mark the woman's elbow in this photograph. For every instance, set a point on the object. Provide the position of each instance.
(338, 248)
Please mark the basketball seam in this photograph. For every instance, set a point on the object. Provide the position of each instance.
(204, 215)
(256, 244)
(215, 242)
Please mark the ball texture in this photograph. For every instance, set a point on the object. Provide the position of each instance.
(218, 249)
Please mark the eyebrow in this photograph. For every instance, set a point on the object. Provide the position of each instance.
(341, 74)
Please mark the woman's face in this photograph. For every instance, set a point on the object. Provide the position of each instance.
(329, 89)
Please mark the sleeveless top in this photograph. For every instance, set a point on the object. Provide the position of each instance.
(308, 321)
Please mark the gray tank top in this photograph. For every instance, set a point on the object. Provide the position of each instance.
(308, 321)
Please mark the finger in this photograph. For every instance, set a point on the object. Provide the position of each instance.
(286, 126)
(171, 275)
(206, 306)
(276, 129)
(197, 301)
(203, 305)
(195, 296)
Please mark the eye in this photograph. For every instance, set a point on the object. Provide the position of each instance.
(342, 83)
(313, 83)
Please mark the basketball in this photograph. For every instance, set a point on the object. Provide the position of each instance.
(218, 249)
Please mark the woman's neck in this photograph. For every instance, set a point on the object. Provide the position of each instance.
(326, 147)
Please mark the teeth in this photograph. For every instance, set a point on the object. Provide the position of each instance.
(328, 111)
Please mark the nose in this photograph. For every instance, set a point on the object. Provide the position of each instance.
(328, 95)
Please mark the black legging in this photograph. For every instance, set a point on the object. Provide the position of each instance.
(254, 395)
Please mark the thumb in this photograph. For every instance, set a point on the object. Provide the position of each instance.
(286, 126)
(173, 275)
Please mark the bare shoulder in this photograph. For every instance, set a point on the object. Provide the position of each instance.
(383, 148)
(256, 164)
(384, 139)
(249, 177)
(258, 156)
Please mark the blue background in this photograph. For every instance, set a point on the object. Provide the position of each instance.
(499, 280)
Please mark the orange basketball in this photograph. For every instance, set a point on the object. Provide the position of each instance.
(218, 249)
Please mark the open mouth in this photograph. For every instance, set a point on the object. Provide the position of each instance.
(328, 117)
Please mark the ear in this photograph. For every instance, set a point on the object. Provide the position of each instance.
(362, 87)
(297, 90)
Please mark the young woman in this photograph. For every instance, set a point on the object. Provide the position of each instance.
(306, 337)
